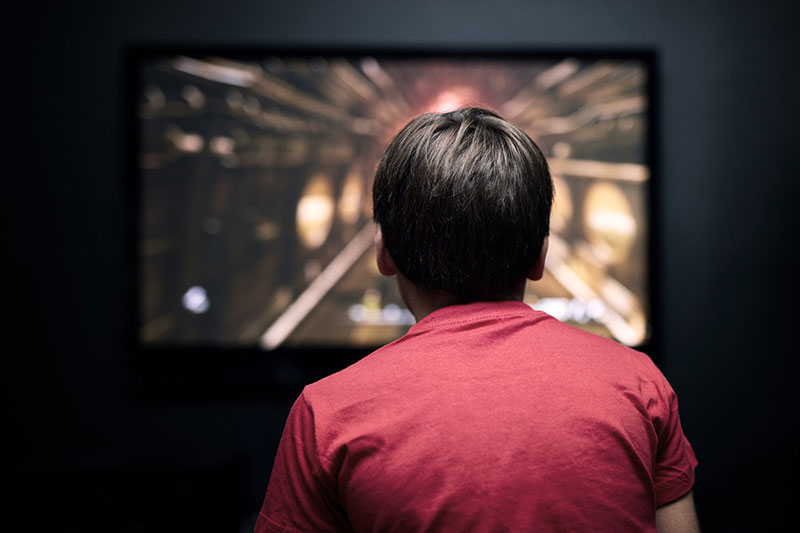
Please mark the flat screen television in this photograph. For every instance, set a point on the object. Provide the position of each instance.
(252, 171)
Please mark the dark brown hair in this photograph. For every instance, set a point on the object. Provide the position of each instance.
(463, 201)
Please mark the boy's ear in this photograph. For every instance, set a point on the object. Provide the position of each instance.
(385, 262)
(538, 269)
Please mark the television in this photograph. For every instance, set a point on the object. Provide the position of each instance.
(252, 171)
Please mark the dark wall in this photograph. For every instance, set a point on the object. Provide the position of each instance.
(86, 455)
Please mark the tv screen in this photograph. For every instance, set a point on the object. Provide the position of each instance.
(253, 171)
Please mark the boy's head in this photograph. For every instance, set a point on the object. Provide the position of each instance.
(463, 202)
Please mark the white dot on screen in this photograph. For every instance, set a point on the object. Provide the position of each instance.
(195, 300)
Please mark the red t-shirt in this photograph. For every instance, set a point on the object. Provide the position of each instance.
(483, 417)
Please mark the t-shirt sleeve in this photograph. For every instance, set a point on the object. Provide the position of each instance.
(301, 496)
(675, 458)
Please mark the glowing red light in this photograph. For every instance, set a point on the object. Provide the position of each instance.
(447, 101)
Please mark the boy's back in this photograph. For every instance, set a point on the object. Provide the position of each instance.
(484, 417)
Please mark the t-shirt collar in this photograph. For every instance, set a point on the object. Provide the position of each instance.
(471, 311)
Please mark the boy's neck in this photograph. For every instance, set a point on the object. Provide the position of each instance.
(422, 302)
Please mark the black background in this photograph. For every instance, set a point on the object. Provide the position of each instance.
(85, 454)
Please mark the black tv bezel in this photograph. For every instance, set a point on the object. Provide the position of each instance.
(184, 373)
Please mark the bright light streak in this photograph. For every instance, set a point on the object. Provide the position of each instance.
(600, 169)
(299, 309)
(211, 71)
